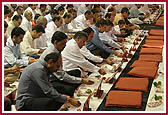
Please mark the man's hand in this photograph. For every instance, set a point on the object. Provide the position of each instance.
(108, 61)
(74, 102)
(31, 60)
(87, 81)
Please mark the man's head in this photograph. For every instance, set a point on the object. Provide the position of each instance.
(59, 40)
(109, 26)
(125, 12)
(53, 61)
(96, 15)
(43, 7)
(100, 24)
(61, 10)
(112, 10)
(110, 16)
(121, 24)
(17, 19)
(37, 31)
(28, 15)
(6, 11)
(42, 21)
(58, 21)
(80, 38)
(20, 10)
(11, 13)
(88, 15)
(67, 18)
(5, 26)
(69, 7)
(17, 35)
(54, 13)
(32, 6)
(89, 31)
(73, 12)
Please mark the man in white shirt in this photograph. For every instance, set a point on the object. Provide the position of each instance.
(19, 11)
(51, 15)
(28, 46)
(16, 21)
(73, 58)
(41, 10)
(53, 27)
(26, 24)
(41, 43)
(12, 53)
(31, 8)
(82, 21)
(66, 20)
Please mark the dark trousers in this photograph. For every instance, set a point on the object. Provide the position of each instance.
(7, 104)
(65, 87)
(99, 52)
(41, 104)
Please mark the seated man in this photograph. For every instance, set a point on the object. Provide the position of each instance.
(12, 53)
(35, 92)
(73, 58)
(28, 46)
(61, 80)
(96, 46)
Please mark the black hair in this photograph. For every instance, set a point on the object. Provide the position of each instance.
(6, 10)
(5, 24)
(67, 15)
(17, 31)
(18, 8)
(94, 11)
(101, 22)
(54, 56)
(109, 23)
(88, 12)
(42, 5)
(81, 34)
(36, 16)
(38, 28)
(69, 6)
(58, 36)
(125, 9)
(61, 8)
(108, 15)
(56, 18)
(16, 17)
(54, 11)
(121, 22)
(111, 9)
(72, 10)
(88, 30)
(96, 5)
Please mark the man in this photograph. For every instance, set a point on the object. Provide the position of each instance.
(41, 43)
(35, 92)
(19, 11)
(26, 24)
(63, 82)
(89, 31)
(53, 13)
(16, 21)
(53, 27)
(66, 20)
(28, 46)
(31, 8)
(82, 21)
(12, 53)
(134, 11)
(96, 46)
(73, 58)
(42, 9)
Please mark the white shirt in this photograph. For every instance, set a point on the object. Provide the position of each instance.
(28, 45)
(72, 58)
(26, 25)
(41, 43)
(81, 9)
(15, 13)
(72, 27)
(89, 55)
(117, 29)
(11, 26)
(81, 22)
(50, 30)
(48, 17)
(64, 27)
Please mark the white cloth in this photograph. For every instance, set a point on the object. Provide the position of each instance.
(81, 9)
(117, 29)
(11, 26)
(50, 30)
(48, 17)
(72, 27)
(28, 45)
(26, 25)
(64, 27)
(41, 43)
(15, 13)
(81, 22)
(89, 55)
(72, 58)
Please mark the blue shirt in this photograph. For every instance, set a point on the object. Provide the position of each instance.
(96, 43)
(34, 83)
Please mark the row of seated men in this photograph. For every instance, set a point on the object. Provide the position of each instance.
(52, 64)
